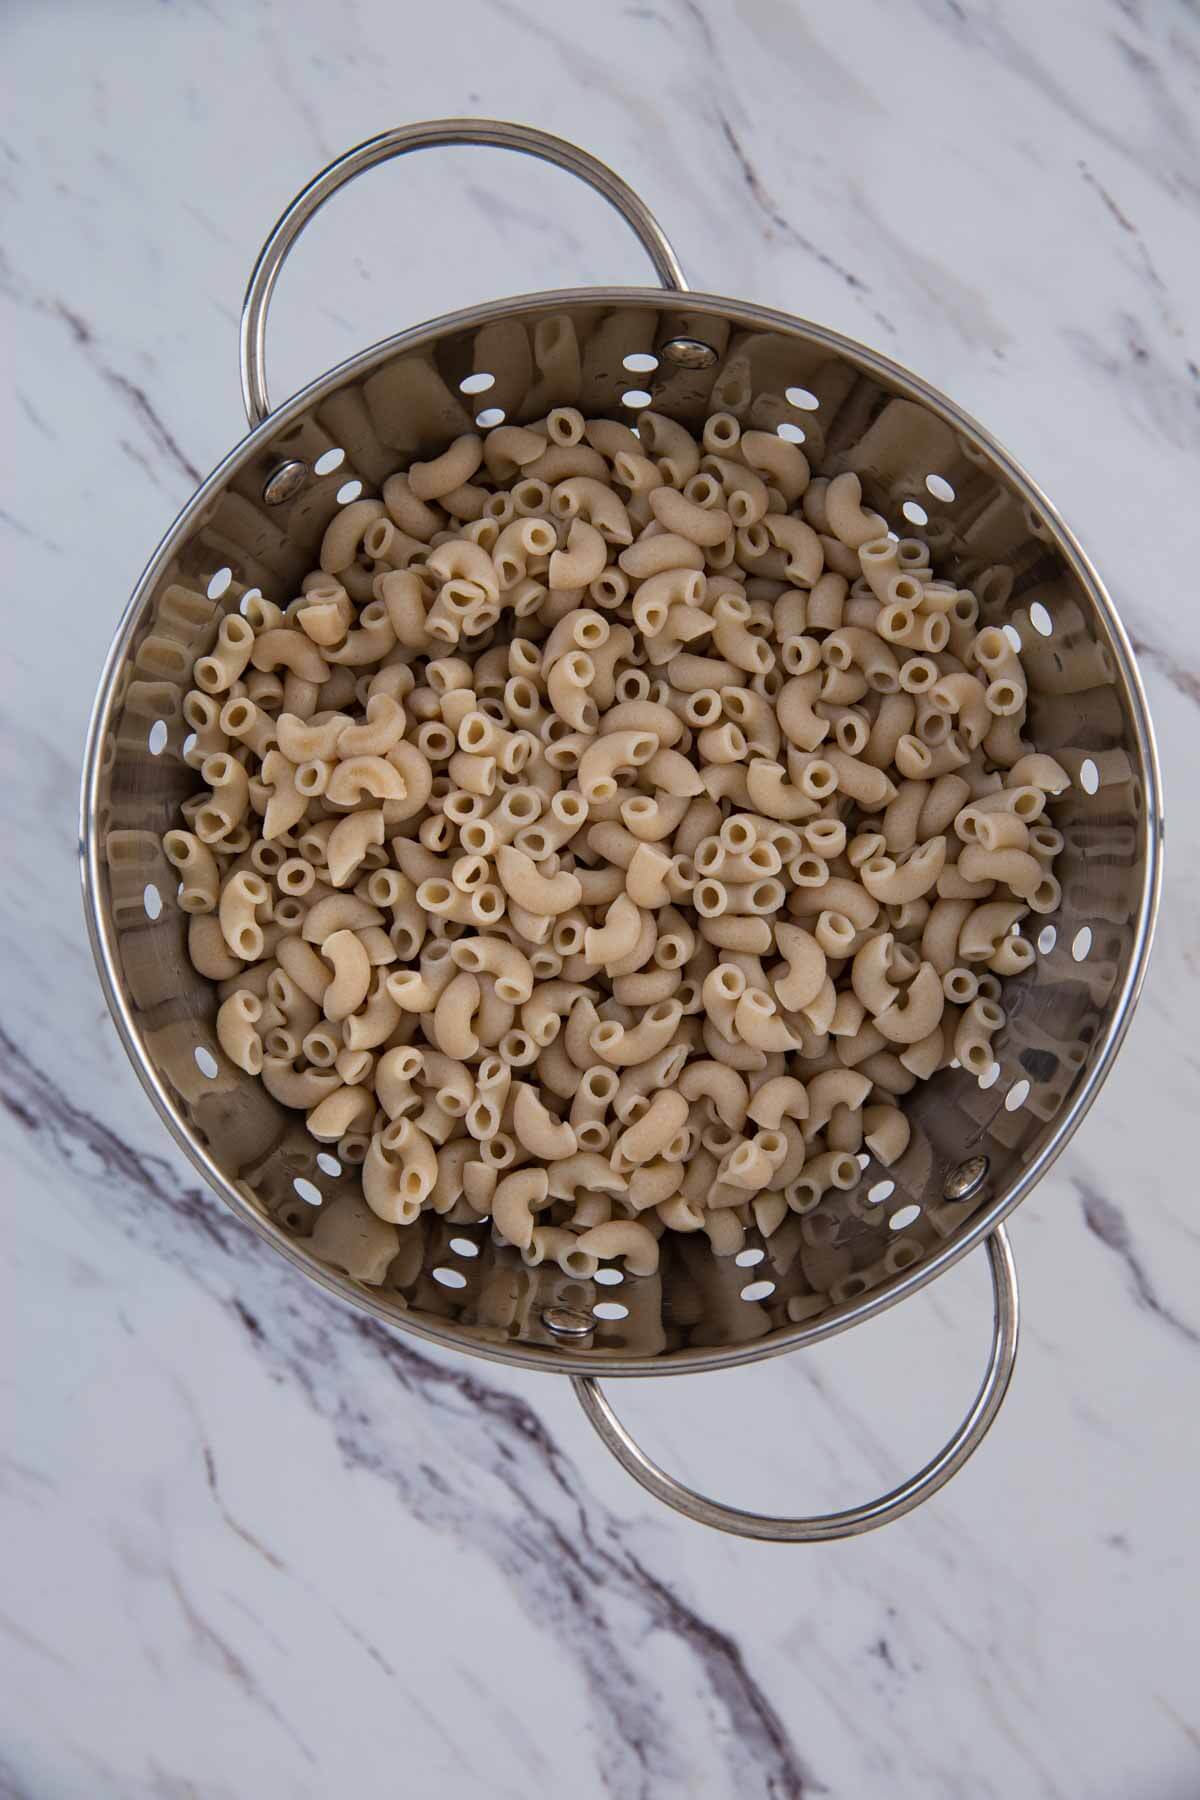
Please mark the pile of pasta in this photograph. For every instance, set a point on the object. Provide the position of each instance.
(609, 835)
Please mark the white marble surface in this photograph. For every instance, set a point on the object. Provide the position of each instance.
(252, 1545)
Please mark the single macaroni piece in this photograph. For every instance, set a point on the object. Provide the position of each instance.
(452, 470)
(351, 978)
(610, 833)
(830, 1089)
(216, 673)
(973, 1038)
(542, 1134)
(238, 1019)
(1013, 869)
(847, 518)
(625, 1239)
(913, 1015)
(657, 1128)
(536, 892)
(399, 1172)
(245, 898)
(199, 872)
(886, 1133)
(704, 526)
(514, 1203)
(757, 1022)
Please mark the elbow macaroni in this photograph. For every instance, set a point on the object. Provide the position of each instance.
(609, 834)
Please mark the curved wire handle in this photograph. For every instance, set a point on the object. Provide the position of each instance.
(434, 134)
(902, 1499)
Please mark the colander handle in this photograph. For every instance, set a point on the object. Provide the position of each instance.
(855, 1519)
(434, 134)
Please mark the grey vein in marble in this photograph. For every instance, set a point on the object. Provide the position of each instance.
(160, 435)
(1105, 1220)
(187, 1408)
(1173, 158)
(565, 1558)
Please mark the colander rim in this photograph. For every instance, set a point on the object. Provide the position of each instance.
(549, 1358)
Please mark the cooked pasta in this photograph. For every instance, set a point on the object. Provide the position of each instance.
(608, 835)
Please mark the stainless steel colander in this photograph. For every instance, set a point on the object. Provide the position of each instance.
(975, 1152)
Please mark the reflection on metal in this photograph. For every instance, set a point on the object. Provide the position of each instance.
(564, 1321)
(688, 353)
(284, 483)
(967, 1179)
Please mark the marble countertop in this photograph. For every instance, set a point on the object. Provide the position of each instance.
(253, 1545)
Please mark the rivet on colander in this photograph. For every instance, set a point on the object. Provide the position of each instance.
(688, 353)
(564, 1321)
(967, 1179)
(284, 483)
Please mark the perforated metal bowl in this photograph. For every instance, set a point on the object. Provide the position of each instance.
(975, 1152)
